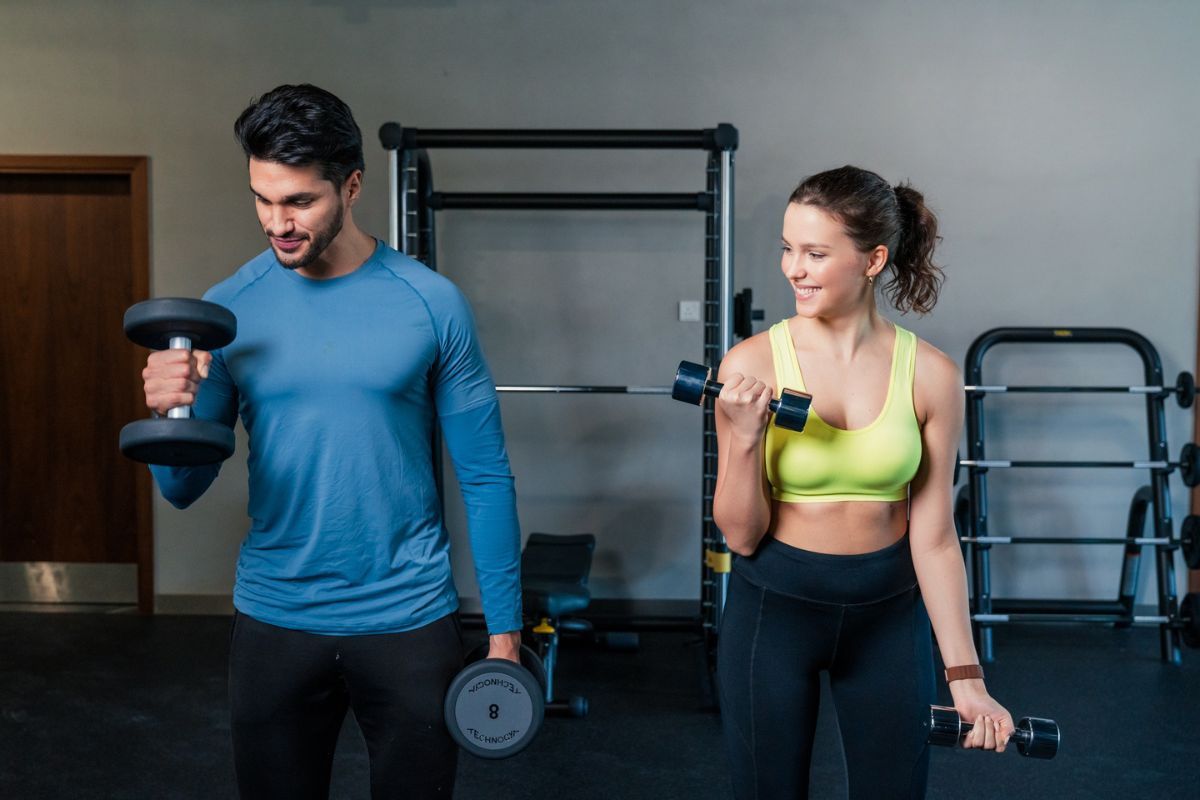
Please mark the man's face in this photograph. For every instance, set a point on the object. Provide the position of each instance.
(300, 211)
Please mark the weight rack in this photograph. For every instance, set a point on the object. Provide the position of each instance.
(971, 506)
(412, 229)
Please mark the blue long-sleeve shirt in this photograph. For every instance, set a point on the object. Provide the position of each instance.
(337, 383)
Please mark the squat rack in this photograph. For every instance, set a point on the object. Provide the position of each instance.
(413, 203)
(1153, 500)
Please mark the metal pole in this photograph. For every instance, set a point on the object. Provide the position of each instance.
(394, 199)
(726, 254)
(724, 321)
(407, 231)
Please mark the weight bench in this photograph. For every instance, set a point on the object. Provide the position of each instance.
(554, 576)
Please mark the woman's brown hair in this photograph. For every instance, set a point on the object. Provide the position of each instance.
(874, 213)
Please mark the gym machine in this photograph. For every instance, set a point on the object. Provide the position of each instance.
(971, 507)
(412, 230)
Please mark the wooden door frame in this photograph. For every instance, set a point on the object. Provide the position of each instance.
(137, 170)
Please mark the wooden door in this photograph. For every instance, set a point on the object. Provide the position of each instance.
(74, 249)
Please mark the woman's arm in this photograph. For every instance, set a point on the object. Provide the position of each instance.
(935, 547)
(742, 501)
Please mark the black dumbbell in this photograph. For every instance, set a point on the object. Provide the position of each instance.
(178, 439)
(694, 381)
(1035, 737)
(494, 707)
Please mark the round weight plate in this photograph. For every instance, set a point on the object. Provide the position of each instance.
(945, 726)
(689, 383)
(152, 323)
(533, 663)
(792, 411)
(1043, 737)
(1189, 464)
(1189, 537)
(1189, 615)
(494, 708)
(177, 442)
(529, 660)
(1185, 390)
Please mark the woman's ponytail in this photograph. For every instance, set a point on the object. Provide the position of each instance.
(916, 279)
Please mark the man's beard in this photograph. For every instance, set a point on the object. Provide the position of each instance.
(318, 243)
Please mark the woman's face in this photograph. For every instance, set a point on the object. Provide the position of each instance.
(827, 271)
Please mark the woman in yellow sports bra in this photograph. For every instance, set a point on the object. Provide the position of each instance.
(844, 541)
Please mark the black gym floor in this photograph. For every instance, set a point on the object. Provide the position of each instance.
(119, 706)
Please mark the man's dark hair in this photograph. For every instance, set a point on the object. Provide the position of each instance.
(302, 125)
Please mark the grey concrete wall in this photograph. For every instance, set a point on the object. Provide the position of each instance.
(1056, 141)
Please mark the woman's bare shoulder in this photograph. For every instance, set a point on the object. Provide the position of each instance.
(939, 382)
(750, 357)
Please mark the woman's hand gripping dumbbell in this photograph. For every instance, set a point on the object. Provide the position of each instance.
(694, 381)
(1035, 737)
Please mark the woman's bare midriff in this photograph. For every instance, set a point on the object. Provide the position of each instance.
(839, 528)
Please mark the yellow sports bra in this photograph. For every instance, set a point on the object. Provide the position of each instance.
(824, 464)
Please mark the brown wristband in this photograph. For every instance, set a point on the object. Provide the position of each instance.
(964, 673)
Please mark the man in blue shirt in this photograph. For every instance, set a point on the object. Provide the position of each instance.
(347, 354)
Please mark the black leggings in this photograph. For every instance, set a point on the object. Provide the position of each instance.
(289, 692)
(790, 614)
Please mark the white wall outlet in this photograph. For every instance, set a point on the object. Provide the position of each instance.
(689, 310)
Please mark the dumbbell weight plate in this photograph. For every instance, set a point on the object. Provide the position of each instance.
(1189, 537)
(945, 727)
(791, 411)
(1185, 390)
(689, 383)
(177, 442)
(1189, 615)
(494, 708)
(152, 323)
(1189, 464)
(529, 660)
(1041, 737)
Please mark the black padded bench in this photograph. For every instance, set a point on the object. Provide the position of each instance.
(554, 577)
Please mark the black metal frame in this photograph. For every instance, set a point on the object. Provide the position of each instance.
(413, 204)
(1153, 499)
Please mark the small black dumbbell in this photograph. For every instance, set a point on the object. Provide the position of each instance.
(1035, 737)
(694, 381)
(494, 707)
(178, 439)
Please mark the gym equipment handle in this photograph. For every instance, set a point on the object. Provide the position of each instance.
(180, 343)
(713, 390)
(694, 381)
